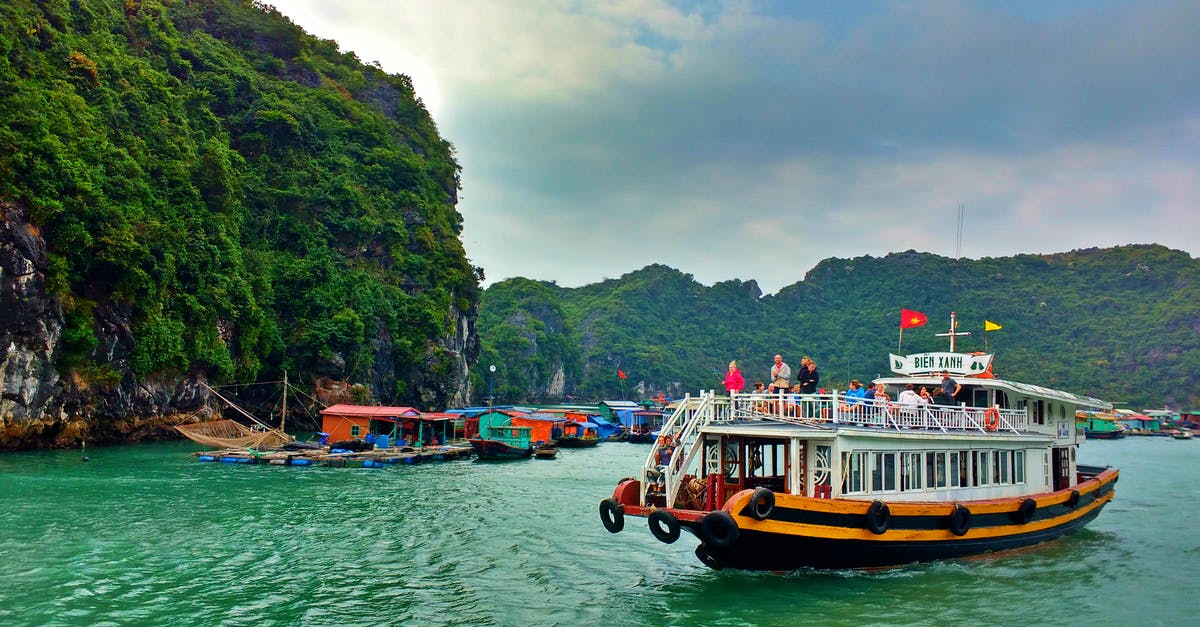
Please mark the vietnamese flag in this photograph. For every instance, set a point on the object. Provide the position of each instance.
(621, 374)
(910, 318)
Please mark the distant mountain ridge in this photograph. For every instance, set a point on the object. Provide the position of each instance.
(1120, 324)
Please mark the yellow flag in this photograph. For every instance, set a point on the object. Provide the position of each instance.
(988, 325)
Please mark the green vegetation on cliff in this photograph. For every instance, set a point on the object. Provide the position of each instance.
(246, 196)
(1118, 323)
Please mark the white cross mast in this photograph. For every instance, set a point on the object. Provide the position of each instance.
(953, 331)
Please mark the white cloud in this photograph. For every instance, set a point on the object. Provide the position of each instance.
(597, 137)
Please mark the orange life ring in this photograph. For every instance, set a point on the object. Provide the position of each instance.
(991, 419)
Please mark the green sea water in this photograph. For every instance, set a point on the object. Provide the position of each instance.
(144, 534)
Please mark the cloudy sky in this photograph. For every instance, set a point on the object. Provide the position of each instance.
(751, 139)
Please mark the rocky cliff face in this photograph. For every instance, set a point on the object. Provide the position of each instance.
(39, 407)
(30, 327)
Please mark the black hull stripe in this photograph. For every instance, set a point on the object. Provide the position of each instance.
(928, 523)
(757, 550)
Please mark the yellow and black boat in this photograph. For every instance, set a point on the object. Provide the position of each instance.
(836, 481)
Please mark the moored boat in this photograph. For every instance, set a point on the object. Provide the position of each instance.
(1181, 434)
(498, 438)
(825, 481)
(1100, 425)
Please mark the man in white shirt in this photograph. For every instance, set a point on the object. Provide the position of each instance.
(909, 396)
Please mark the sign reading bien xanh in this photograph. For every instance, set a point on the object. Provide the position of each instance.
(956, 363)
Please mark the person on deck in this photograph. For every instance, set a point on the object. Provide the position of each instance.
(909, 396)
(808, 377)
(780, 374)
(733, 380)
(855, 396)
(950, 387)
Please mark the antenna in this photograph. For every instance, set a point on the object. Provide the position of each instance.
(958, 241)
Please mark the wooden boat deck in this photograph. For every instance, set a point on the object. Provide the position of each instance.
(378, 458)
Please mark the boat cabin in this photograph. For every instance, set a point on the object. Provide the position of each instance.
(1000, 439)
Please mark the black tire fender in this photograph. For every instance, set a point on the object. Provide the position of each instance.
(708, 558)
(1025, 511)
(612, 515)
(960, 520)
(719, 529)
(879, 515)
(663, 525)
(1073, 502)
(762, 503)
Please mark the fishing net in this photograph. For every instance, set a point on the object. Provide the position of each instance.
(231, 434)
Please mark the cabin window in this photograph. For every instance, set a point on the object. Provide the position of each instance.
(979, 398)
(712, 457)
(1018, 466)
(935, 469)
(1002, 465)
(822, 465)
(1002, 399)
(910, 471)
(964, 466)
(953, 469)
(1039, 412)
(731, 458)
(983, 474)
(854, 471)
(355, 431)
(883, 472)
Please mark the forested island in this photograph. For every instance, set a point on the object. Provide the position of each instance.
(201, 191)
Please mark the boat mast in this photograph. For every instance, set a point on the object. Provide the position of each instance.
(953, 331)
(283, 412)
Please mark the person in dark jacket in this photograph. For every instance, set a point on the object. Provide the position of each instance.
(809, 378)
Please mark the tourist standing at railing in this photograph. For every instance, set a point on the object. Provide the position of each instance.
(909, 396)
(808, 377)
(950, 387)
(733, 380)
(926, 399)
(781, 373)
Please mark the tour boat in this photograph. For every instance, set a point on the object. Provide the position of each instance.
(825, 481)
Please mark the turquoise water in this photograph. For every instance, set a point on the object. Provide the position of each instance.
(144, 534)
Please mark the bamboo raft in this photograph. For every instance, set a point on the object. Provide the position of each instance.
(378, 458)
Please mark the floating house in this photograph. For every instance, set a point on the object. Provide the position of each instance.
(355, 422)
(543, 427)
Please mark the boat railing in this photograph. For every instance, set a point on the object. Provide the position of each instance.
(836, 408)
(677, 445)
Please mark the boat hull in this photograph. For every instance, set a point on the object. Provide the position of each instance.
(803, 532)
(495, 450)
(569, 442)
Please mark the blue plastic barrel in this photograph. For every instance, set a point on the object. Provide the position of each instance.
(381, 441)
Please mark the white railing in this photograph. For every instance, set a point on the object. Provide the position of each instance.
(836, 408)
(680, 431)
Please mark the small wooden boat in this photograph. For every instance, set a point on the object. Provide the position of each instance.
(1180, 434)
(545, 452)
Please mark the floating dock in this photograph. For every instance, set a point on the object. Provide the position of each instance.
(377, 458)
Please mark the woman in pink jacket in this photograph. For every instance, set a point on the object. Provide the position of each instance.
(733, 379)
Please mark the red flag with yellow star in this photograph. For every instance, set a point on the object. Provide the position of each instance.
(910, 318)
